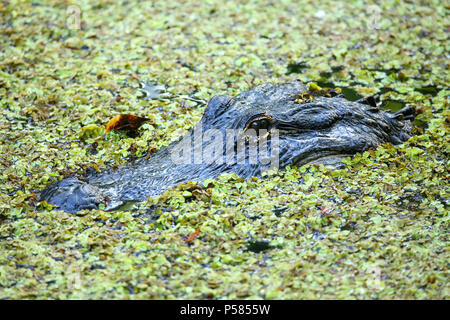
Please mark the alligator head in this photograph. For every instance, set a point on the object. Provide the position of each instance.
(283, 130)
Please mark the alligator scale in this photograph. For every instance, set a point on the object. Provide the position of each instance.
(317, 130)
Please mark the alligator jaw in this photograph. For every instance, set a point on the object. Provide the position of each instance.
(329, 160)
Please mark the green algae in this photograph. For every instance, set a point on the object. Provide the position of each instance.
(377, 228)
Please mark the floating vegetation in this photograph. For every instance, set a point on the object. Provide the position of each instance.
(376, 229)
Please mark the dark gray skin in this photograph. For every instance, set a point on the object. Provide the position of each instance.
(324, 130)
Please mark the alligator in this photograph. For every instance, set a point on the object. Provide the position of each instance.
(304, 129)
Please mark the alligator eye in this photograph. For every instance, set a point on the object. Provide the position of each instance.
(260, 124)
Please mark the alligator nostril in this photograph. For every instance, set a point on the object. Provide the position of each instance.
(373, 109)
(407, 113)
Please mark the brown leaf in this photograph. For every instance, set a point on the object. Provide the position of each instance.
(127, 122)
(193, 236)
(327, 209)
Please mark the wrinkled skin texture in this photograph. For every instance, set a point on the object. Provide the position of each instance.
(324, 130)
